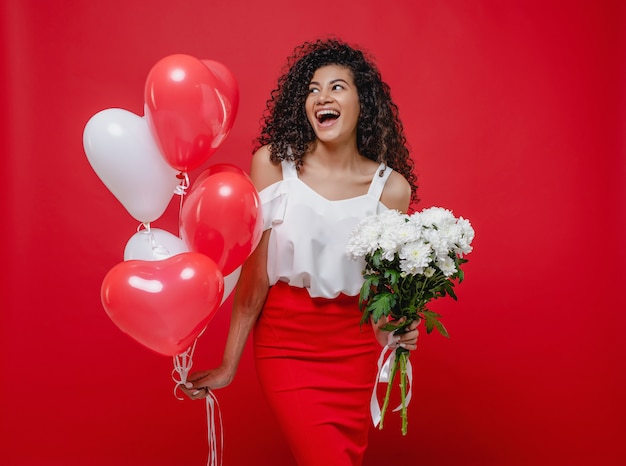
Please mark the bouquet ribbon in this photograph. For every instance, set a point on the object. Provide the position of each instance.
(384, 370)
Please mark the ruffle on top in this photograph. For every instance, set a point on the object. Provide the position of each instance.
(274, 204)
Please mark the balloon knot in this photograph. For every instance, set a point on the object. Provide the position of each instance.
(181, 189)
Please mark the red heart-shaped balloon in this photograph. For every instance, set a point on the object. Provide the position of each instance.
(164, 305)
(221, 217)
(214, 169)
(227, 88)
(187, 110)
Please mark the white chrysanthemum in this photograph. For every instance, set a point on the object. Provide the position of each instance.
(437, 217)
(445, 233)
(393, 232)
(437, 241)
(466, 236)
(429, 272)
(411, 229)
(364, 238)
(450, 235)
(390, 216)
(388, 249)
(414, 257)
(415, 220)
(446, 265)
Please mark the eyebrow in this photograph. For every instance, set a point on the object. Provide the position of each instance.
(332, 81)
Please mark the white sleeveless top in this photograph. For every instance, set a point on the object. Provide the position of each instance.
(310, 234)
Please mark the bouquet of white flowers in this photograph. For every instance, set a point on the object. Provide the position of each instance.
(409, 261)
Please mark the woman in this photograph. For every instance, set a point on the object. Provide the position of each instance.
(330, 138)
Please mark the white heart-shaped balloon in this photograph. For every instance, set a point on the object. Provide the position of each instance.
(153, 245)
(156, 244)
(125, 156)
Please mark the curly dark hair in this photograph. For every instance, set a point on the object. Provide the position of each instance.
(380, 133)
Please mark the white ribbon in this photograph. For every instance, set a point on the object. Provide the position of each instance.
(384, 372)
(182, 366)
(211, 404)
(159, 251)
(181, 189)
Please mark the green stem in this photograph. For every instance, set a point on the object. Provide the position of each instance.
(403, 360)
(392, 375)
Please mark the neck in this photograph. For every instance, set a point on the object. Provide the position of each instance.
(335, 154)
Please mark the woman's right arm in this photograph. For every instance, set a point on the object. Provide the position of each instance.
(250, 294)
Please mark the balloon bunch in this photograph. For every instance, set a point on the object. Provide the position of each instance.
(169, 287)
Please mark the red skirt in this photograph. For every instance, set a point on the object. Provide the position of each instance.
(317, 366)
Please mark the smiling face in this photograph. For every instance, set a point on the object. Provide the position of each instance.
(332, 105)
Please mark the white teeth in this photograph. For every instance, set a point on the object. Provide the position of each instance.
(321, 113)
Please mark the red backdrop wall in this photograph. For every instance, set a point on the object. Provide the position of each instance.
(515, 113)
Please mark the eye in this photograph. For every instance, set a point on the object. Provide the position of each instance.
(313, 90)
(337, 87)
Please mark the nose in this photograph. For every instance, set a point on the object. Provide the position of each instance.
(324, 96)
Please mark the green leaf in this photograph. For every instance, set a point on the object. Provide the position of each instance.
(431, 320)
(439, 326)
(381, 305)
(449, 287)
(393, 276)
(391, 327)
(376, 260)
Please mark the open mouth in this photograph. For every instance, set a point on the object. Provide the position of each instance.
(326, 116)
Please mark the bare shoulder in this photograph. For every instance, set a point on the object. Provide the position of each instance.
(263, 171)
(397, 192)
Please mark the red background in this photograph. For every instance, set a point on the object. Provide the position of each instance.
(515, 113)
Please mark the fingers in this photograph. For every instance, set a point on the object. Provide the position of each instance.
(407, 340)
(193, 392)
(408, 345)
(413, 325)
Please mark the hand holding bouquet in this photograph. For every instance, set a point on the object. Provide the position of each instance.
(409, 260)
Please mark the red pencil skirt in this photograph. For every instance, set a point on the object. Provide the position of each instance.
(316, 366)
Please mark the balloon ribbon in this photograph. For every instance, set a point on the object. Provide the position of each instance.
(182, 366)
